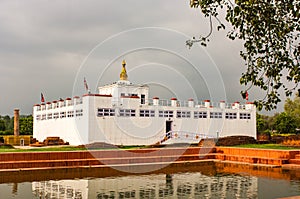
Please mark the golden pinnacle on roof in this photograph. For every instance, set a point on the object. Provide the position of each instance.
(123, 74)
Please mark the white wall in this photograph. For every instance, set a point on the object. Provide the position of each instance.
(71, 129)
(134, 130)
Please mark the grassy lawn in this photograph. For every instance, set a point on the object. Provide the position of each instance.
(41, 149)
(59, 148)
(267, 146)
(73, 148)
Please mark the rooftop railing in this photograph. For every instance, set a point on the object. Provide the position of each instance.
(152, 102)
(196, 104)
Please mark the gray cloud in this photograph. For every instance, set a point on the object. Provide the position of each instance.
(43, 43)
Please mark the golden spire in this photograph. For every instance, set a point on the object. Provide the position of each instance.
(123, 74)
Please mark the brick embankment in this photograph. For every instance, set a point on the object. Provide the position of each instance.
(155, 157)
(18, 176)
(256, 156)
(102, 158)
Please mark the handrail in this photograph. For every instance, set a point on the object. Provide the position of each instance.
(185, 136)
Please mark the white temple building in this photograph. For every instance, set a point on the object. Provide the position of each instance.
(122, 114)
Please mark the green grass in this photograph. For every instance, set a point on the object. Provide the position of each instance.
(267, 146)
(282, 134)
(67, 148)
(72, 148)
(60, 148)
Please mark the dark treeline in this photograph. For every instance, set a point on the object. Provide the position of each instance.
(287, 122)
(7, 125)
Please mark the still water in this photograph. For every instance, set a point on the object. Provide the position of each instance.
(188, 182)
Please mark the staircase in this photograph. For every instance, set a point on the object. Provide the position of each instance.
(296, 160)
(293, 163)
(102, 158)
(175, 137)
(149, 157)
(273, 158)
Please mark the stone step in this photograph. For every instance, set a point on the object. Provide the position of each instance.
(102, 161)
(291, 166)
(116, 153)
(245, 163)
(297, 156)
(294, 161)
(292, 197)
(174, 157)
(252, 159)
(140, 160)
(264, 153)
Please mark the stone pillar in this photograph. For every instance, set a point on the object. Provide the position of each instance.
(16, 122)
(155, 101)
(222, 104)
(174, 102)
(191, 103)
(69, 102)
(76, 100)
(207, 103)
(249, 106)
(236, 105)
(61, 103)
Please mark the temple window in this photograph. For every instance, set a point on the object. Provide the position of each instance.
(147, 113)
(200, 114)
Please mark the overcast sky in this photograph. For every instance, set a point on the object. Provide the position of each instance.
(50, 46)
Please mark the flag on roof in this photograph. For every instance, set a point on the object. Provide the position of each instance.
(85, 85)
(42, 98)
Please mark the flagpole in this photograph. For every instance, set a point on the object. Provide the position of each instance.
(42, 98)
(86, 86)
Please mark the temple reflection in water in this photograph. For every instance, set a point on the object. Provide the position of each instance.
(187, 185)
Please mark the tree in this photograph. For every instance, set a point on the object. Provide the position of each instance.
(285, 123)
(292, 108)
(26, 125)
(270, 30)
(9, 123)
(264, 123)
(2, 125)
(260, 123)
(6, 125)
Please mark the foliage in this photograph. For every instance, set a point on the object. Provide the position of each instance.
(260, 124)
(26, 125)
(7, 132)
(266, 146)
(264, 123)
(46, 149)
(6, 125)
(270, 30)
(8, 122)
(292, 108)
(285, 123)
(2, 125)
(6, 146)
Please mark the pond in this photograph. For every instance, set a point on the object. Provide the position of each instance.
(209, 180)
